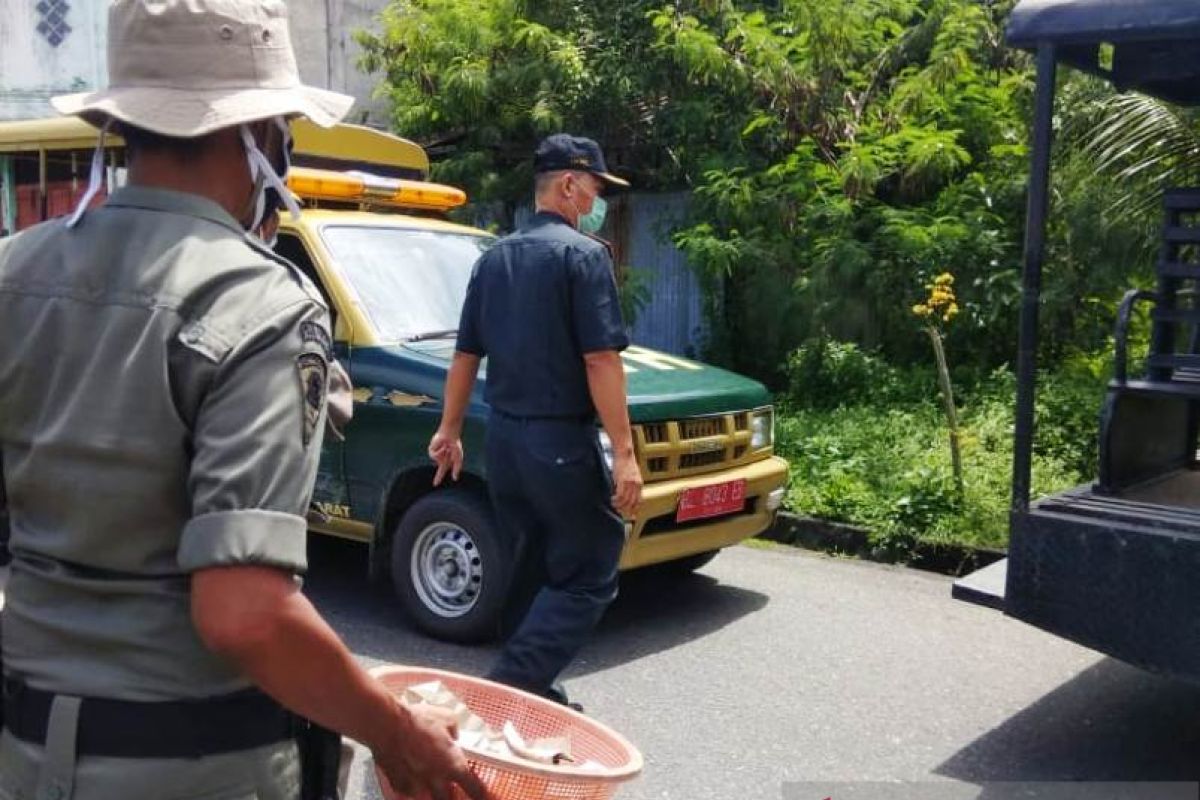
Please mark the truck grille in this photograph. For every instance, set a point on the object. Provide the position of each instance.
(678, 448)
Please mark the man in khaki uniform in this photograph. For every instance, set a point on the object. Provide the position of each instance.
(163, 381)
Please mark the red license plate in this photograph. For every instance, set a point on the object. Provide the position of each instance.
(711, 501)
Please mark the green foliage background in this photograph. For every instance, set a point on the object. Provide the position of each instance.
(839, 155)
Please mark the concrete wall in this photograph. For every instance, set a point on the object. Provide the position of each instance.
(33, 67)
(66, 55)
(323, 35)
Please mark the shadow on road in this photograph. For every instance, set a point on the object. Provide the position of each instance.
(654, 614)
(650, 616)
(1109, 723)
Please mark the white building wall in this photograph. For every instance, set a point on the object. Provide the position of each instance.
(323, 35)
(33, 68)
(67, 55)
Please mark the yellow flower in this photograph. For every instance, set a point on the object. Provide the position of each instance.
(941, 301)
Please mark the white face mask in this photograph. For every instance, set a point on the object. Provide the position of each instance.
(263, 174)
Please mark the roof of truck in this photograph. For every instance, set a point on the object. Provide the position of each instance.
(1067, 21)
(341, 147)
(1149, 46)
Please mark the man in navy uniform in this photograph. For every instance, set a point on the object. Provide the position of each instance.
(542, 306)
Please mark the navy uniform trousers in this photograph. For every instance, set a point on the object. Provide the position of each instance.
(552, 493)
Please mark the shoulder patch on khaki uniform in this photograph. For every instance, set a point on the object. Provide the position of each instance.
(314, 376)
(315, 333)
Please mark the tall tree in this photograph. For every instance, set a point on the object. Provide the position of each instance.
(839, 154)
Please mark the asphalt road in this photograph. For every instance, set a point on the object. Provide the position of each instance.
(775, 666)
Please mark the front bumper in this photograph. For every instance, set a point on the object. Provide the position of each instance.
(654, 536)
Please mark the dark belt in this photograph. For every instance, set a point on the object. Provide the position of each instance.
(170, 729)
(580, 419)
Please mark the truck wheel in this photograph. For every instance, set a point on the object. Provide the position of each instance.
(686, 565)
(449, 568)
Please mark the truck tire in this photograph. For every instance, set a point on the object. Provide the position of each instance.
(450, 569)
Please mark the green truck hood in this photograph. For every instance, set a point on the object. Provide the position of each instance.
(662, 386)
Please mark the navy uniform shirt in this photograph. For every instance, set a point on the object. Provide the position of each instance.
(538, 300)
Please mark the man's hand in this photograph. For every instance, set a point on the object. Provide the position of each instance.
(421, 758)
(628, 483)
(257, 618)
(446, 450)
(606, 384)
(446, 446)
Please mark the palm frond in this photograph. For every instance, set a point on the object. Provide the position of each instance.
(1146, 145)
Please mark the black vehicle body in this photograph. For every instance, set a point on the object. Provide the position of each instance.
(1115, 565)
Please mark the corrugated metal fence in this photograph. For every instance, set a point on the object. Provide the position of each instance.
(641, 229)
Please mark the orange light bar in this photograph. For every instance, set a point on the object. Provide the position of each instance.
(321, 184)
(437, 196)
(324, 184)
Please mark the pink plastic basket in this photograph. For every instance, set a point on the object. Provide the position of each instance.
(534, 718)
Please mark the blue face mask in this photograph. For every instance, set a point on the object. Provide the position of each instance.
(592, 221)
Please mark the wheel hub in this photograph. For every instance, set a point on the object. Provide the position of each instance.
(447, 570)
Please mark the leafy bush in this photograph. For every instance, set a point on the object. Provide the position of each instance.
(884, 464)
(928, 497)
(1067, 413)
(838, 155)
(825, 374)
(634, 293)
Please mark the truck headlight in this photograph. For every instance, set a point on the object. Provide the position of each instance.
(606, 448)
(762, 428)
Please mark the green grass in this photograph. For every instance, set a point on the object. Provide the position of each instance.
(886, 466)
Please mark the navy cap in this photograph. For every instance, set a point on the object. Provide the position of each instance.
(563, 151)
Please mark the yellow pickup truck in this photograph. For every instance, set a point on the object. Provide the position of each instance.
(375, 239)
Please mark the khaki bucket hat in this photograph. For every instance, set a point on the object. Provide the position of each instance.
(186, 68)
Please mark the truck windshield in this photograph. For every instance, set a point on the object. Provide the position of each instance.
(411, 282)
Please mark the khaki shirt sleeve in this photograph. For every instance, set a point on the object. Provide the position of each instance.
(257, 441)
